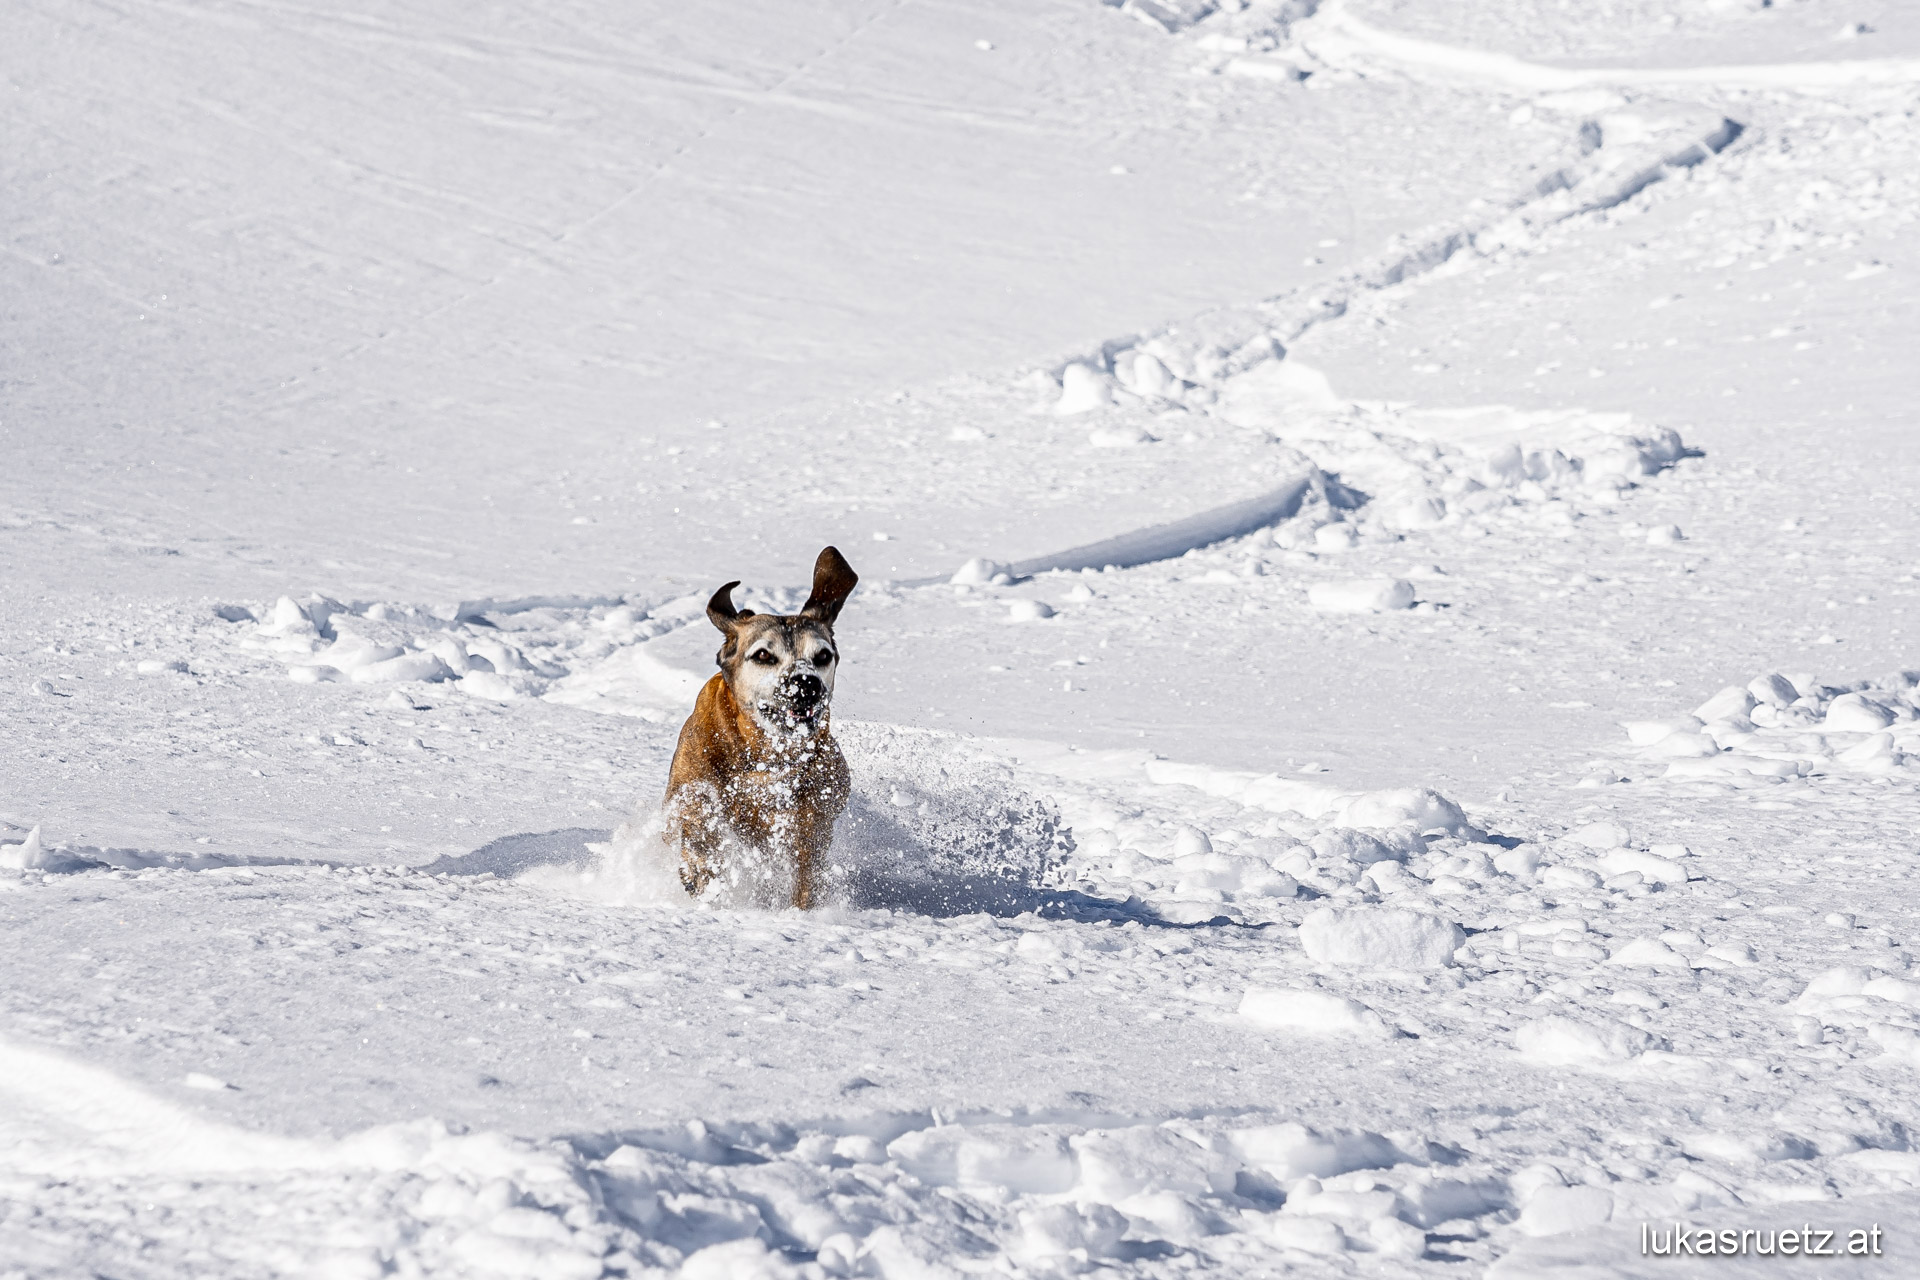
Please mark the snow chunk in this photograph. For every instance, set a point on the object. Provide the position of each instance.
(1898, 990)
(1873, 755)
(1317, 1012)
(1648, 953)
(487, 684)
(1418, 809)
(1773, 689)
(1082, 389)
(1190, 839)
(1058, 1230)
(745, 1259)
(1653, 868)
(1747, 1148)
(1855, 713)
(1738, 954)
(1730, 703)
(1364, 595)
(1124, 436)
(1143, 374)
(1644, 733)
(1553, 1211)
(1274, 392)
(1291, 1151)
(978, 572)
(1556, 1041)
(1380, 938)
(1023, 1160)
(402, 667)
(1335, 537)
(1898, 1043)
(25, 856)
(1789, 726)
(1600, 835)
(1834, 984)
(1308, 1235)
(1118, 1164)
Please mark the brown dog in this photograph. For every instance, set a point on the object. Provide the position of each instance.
(757, 763)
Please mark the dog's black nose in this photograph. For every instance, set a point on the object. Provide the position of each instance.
(805, 690)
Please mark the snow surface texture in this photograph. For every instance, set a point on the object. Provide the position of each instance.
(1779, 727)
(1177, 926)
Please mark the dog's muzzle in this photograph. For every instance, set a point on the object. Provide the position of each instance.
(805, 697)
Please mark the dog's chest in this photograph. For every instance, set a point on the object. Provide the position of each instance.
(774, 787)
(814, 779)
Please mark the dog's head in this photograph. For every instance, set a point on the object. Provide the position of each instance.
(780, 667)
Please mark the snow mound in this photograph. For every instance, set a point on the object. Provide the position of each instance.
(1854, 997)
(1777, 727)
(1367, 595)
(1380, 938)
(1432, 469)
(1557, 1210)
(1652, 868)
(1648, 953)
(1290, 1151)
(1557, 1041)
(1318, 1012)
(1195, 843)
(1400, 470)
(979, 571)
(870, 1193)
(496, 651)
(27, 855)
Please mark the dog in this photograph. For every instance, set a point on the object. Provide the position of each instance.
(756, 763)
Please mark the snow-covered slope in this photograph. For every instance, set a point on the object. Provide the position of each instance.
(1382, 702)
(393, 273)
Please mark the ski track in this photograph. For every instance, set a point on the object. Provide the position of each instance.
(1437, 1033)
(1339, 36)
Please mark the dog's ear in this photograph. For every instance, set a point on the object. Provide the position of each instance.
(720, 610)
(833, 581)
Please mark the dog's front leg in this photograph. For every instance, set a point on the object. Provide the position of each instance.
(693, 825)
(828, 787)
(804, 859)
(697, 862)
(813, 838)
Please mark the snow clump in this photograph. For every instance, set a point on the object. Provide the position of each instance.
(1380, 938)
(1788, 726)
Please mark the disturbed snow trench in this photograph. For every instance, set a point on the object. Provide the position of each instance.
(1258, 1023)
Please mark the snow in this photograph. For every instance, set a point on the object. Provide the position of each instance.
(1379, 938)
(27, 855)
(1315, 1012)
(1381, 704)
(1368, 595)
(1770, 728)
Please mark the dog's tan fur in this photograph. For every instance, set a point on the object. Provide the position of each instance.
(757, 762)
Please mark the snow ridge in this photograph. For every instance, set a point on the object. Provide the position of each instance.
(1339, 38)
(1781, 728)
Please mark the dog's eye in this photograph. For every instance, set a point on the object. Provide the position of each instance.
(823, 658)
(763, 657)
